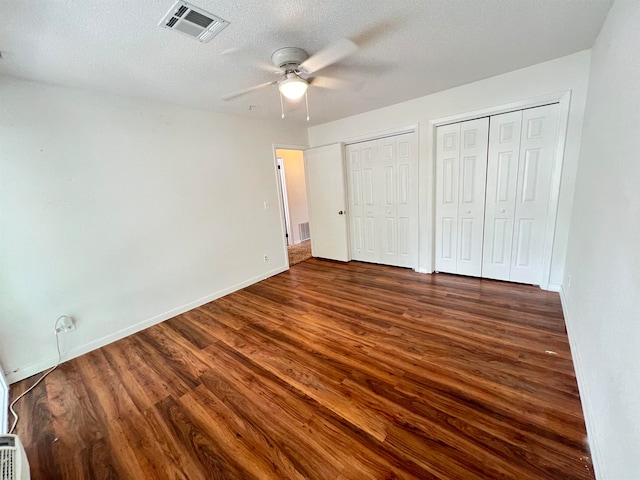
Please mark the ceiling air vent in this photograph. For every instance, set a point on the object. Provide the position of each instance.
(193, 22)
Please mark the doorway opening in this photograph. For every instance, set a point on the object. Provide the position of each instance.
(290, 163)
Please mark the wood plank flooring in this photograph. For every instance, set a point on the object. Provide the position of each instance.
(327, 371)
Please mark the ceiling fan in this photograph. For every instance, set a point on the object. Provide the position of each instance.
(297, 69)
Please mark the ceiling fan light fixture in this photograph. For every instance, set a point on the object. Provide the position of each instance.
(293, 87)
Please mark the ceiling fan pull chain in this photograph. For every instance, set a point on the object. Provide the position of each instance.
(306, 100)
(281, 105)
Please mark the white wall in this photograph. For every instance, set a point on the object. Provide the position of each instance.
(602, 298)
(566, 73)
(123, 213)
(293, 161)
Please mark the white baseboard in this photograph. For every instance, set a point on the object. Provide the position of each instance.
(553, 287)
(589, 418)
(43, 365)
(423, 270)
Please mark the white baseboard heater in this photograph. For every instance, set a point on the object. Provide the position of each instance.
(13, 460)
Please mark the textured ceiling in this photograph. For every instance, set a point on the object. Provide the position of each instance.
(409, 48)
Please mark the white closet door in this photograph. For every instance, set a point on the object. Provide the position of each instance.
(356, 221)
(363, 212)
(388, 201)
(406, 173)
(382, 200)
(537, 153)
(447, 175)
(502, 176)
(473, 175)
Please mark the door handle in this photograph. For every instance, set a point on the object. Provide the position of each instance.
(341, 212)
(468, 211)
(502, 210)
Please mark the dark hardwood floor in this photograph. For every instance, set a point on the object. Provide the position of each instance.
(327, 371)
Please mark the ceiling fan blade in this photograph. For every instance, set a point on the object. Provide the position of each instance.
(247, 90)
(247, 57)
(268, 67)
(333, 83)
(329, 55)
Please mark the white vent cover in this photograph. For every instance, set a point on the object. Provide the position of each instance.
(304, 231)
(193, 21)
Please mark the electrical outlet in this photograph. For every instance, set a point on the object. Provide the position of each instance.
(266, 259)
(65, 324)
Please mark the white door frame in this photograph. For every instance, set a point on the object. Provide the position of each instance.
(281, 199)
(563, 98)
(4, 404)
(285, 201)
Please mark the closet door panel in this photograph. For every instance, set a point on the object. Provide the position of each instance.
(502, 176)
(356, 224)
(406, 191)
(363, 208)
(472, 170)
(388, 207)
(537, 155)
(370, 206)
(447, 177)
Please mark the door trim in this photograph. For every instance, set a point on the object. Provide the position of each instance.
(276, 178)
(563, 98)
(285, 201)
(391, 132)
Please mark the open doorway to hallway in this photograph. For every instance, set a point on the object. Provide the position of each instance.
(294, 198)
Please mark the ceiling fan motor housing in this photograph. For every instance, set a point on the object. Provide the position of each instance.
(289, 58)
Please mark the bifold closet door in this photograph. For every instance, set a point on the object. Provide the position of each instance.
(537, 155)
(406, 199)
(520, 164)
(461, 162)
(446, 223)
(502, 176)
(381, 200)
(363, 205)
(387, 198)
(396, 155)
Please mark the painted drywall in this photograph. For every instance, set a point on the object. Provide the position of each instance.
(296, 189)
(601, 288)
(562, 74)
(122, 213)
